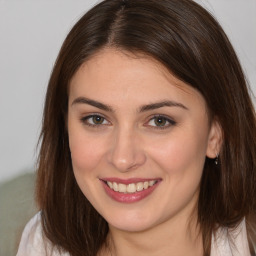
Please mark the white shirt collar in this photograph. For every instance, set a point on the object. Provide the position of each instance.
(231, 242)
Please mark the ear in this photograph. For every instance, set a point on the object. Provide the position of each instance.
(215, 139)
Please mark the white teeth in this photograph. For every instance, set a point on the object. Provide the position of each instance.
(151, 183)
(110, 184)
(132, 187)
(139, 186)
(122, 188)
(145, 184)
(115, 186)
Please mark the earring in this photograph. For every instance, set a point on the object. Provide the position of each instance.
(216, 161)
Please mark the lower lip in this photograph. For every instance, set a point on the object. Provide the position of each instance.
(129, 197)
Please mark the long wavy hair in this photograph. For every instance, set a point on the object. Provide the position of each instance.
(190, 43)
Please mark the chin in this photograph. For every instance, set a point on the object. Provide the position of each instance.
(131, 223)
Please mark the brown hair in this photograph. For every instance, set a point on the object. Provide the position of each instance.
(187, 40)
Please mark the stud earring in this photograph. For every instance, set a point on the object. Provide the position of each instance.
(216, 161)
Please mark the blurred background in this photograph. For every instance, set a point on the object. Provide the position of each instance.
(31, 34)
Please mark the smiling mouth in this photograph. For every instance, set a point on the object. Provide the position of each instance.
(130, 188)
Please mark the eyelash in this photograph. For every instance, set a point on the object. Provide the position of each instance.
(85, 119)
(165, 119)
(170, 122)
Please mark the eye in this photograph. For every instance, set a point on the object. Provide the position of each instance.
(94, 120)
(161, 122)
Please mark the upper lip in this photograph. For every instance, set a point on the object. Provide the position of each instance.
(128, 181)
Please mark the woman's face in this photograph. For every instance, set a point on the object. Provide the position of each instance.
(138, 139)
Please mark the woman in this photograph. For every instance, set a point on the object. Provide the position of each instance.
(148, 138)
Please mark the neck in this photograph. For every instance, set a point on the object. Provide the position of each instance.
(174, 237)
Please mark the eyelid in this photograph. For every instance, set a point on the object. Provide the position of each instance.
(84, 119)
(170, 121)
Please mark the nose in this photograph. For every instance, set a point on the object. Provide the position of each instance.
(126, 152)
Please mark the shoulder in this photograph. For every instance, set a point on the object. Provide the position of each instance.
(251, 231)
(33, 241)
(32, 238)
(227, 242)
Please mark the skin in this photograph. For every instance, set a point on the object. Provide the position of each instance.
(129, 143)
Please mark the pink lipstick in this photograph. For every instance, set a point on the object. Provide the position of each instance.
(129, 190)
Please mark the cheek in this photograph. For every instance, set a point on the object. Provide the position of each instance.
(86, 151)
(182, 154)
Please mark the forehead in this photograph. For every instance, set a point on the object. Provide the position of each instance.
(112, 63)
(117, 76)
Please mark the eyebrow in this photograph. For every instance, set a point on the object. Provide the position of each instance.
(144, 108)
(167, 103)
(94, 103)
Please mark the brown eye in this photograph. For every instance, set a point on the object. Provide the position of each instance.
(97, 120)
(94, 120)
(160, 121)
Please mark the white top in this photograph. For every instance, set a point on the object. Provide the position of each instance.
(33, 244)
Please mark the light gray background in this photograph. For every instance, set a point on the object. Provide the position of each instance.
(31, 33)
